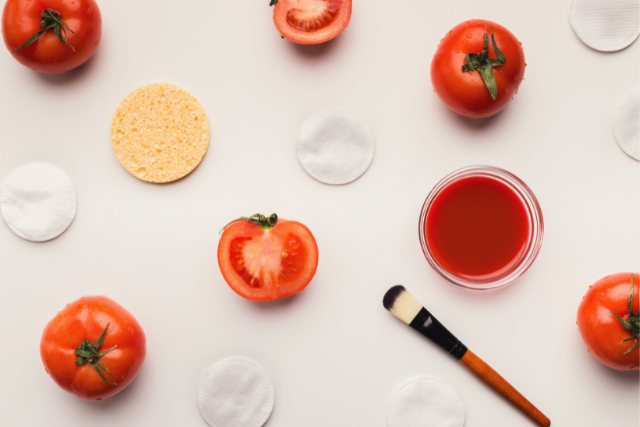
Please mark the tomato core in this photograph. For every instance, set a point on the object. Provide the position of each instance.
(265, 262)
(318, 15)
(478, 228)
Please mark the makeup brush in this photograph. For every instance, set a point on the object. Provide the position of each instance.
(405, 307)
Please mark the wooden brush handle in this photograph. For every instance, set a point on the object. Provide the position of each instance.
(506, 390)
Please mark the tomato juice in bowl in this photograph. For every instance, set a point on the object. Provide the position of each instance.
(481, 227)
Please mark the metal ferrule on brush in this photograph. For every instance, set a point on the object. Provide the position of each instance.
(429, 326)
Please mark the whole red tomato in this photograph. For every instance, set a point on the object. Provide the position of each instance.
(93, 348)
(470, 75)
(66, 33)
(608, 321)
(265, 258)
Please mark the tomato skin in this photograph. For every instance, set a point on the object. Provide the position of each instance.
(465, 92)
(86, 319)
(601, 331)
(274, 238)
(21, 19)
(283, 7)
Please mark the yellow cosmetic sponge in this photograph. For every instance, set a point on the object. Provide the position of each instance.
(160, 133)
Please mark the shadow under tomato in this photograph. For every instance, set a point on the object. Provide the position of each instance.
(276, 304)
(314, 50)
(71, 76)
(125, 397)
(622, 381)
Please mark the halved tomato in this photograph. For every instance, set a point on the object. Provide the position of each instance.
(266, 258)
(311, 21)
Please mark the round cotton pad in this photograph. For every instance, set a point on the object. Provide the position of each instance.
(605, 25)
(236, 392)
(425, 402)
(626, 124)
(335, 146)
(160, 133)
(38, 202)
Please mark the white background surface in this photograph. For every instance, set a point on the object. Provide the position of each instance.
(335, 355)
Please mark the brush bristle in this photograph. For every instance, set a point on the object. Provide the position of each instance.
(401, 304)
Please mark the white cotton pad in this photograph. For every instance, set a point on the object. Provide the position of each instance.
(425, 402)
(236, 392)
(626, 124)
(38, 202)
(605, 25)
(335, 146)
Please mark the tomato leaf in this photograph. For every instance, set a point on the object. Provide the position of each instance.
(266, 223)
(273, 2)
(50, 21)
(631, 297)
(484, 65)
(633, 324)
(87, 352)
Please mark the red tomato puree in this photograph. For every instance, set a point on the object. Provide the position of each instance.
(477, 228)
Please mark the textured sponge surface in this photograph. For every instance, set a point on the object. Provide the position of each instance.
(160, 133)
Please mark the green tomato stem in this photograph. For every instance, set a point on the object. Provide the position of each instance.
(50, 21)
(484, 65)
(633, 323)
(266, 223)
(87, 352)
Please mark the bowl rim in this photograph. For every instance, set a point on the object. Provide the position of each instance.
(536, 223)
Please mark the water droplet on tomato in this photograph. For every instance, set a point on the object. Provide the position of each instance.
(520, 43)
(469, 35)
(464, 42)
(457, 50)
(525, 64)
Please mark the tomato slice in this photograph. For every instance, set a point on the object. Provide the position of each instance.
(311, 21)
(262, 263)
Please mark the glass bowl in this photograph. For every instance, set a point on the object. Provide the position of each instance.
(533, 244)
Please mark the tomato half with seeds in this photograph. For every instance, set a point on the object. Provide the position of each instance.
(311, 21)
(93, 348)
(609, 323)
(477, 68)
(266, 258)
